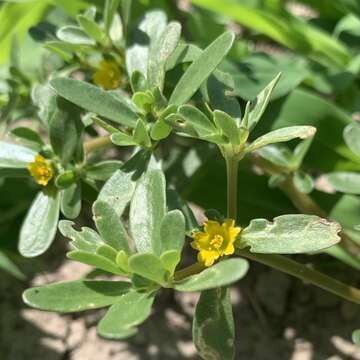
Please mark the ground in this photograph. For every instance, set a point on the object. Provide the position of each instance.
(277, 317)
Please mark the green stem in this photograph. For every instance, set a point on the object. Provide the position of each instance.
(96, 144)
(302, 272)
(232, 167)
(304, 203)
(188, 271)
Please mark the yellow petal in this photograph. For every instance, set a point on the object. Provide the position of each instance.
(212, 228)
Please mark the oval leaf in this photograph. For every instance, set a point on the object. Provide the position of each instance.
(282, 135)
(15, 156)
(172, 231)
(122, 318)
(201, 69)
(73, 296)
(40, 224)
(159, 53)
(147, 210)
(148, 266)
(346, 181)
(223, 273)
(94, 99)
(214, 335)
(118, 191)
(290, 234)
(110, 226)
(352, 137)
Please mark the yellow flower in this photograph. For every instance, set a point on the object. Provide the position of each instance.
(40, 170)
(107, 75)
(215, 241)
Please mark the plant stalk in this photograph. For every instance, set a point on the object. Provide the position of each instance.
(305, 273)
(232, 168)
(188, 271)
(96, 144)
(304, 203)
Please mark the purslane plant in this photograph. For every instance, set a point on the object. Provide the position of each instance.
(141, 249)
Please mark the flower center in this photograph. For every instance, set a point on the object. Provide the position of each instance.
(216, 241)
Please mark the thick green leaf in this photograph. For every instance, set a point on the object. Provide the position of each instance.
(259, 105)
(118, 191)
(300, 152)
(282, 135)
(160, 52)
(86, 240)
(220, 90)
(125, 12)
(94, 99)
(71, 201)
(290, 234)
(172, 231)
(122, 139)
(65, 130)
(171, 259)
(349, 24)
(141, 136)
(152, 25)
(7, 265)
(347, 182)
(183, 53)
(92, 29)
(103, 170)
(356, 337)
(147, 210)
(110, 226)
(116, 32)
(160, 130)
(110, 10)
(65, 179)
(44, 97)
(352, 137)
(276, 154)
(27, 136)
(149, 266)
(74, 35)
(65, 50)
(108, 252)
(221, 274)
(122, 318)
(214, 335)
(227, 125)
(201, 69)
(328, 151)
(15, 156)
(303, 182)
(73, 296)
(39, 227)
(96, 260)
(197, 119)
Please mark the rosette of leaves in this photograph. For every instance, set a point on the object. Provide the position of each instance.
(143, 120)
(143, 257)
(65, 157)
(232, 132)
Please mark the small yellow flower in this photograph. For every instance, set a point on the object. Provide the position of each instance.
(40, 170)
(215, 241)
(107, 75)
